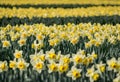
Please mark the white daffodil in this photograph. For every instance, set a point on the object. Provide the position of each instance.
(100, 67)
(81, 52)
(3, 66)
(113, 64)
(90, 71)
(52, 67)
(94, 55)
(22, 65)
(34, 57)
(77, 58)
(65, 59)
(74, 73)
(94, 76)
(22, 42)
(6, 43)
(51, 56)
(13, 64)
(18, 54)
(38, 66)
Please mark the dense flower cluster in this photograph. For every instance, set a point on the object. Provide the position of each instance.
(61, 12)
(14, 2)
(95, 33)
(79, 52)
(51, 61)
(71, 65)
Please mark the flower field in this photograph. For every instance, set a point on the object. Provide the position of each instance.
(60, 41)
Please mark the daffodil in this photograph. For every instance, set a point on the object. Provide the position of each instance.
(38, 66)
(101, 67)
(13, 64)
(94, 55)
(81, 52)
(18, 54)
(22, 65)
(94, 76)
(52, 67)
(62, 67)
(22, 42)
(3, 66)
(65, 58)
(90, 71)
(77, 58)
(74, 73)
(51, 55)
(113, 64)
(34, 57)
(39, 36)
(6, 43)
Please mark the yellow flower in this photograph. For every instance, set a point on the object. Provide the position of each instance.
(94, 55)
(22, 65)
(38, 66)
(113, 64)
(50, 55)
(18, 54)
(53, 67)
(22, 42)
(3, 66)
(34, 57)
(74, 73)
(63, 68)
(65, 59)
(24, 35)
(74, 40)
(90, 71)
(90, 59)
(85, 61)
(39, 36)
(100, 67)
(53, 42)
(6, 43)
(12, 64)
(87, 45)
(95, 76)
(77, 58)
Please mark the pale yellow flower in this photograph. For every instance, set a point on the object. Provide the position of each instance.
(52, 67)
(6, 43)
(3, 66)
(38, 66)
(22, 42)
(113, 64)
(74, 73)
(22, 65)
(18, 54)
(62, 67)
(13, 64)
